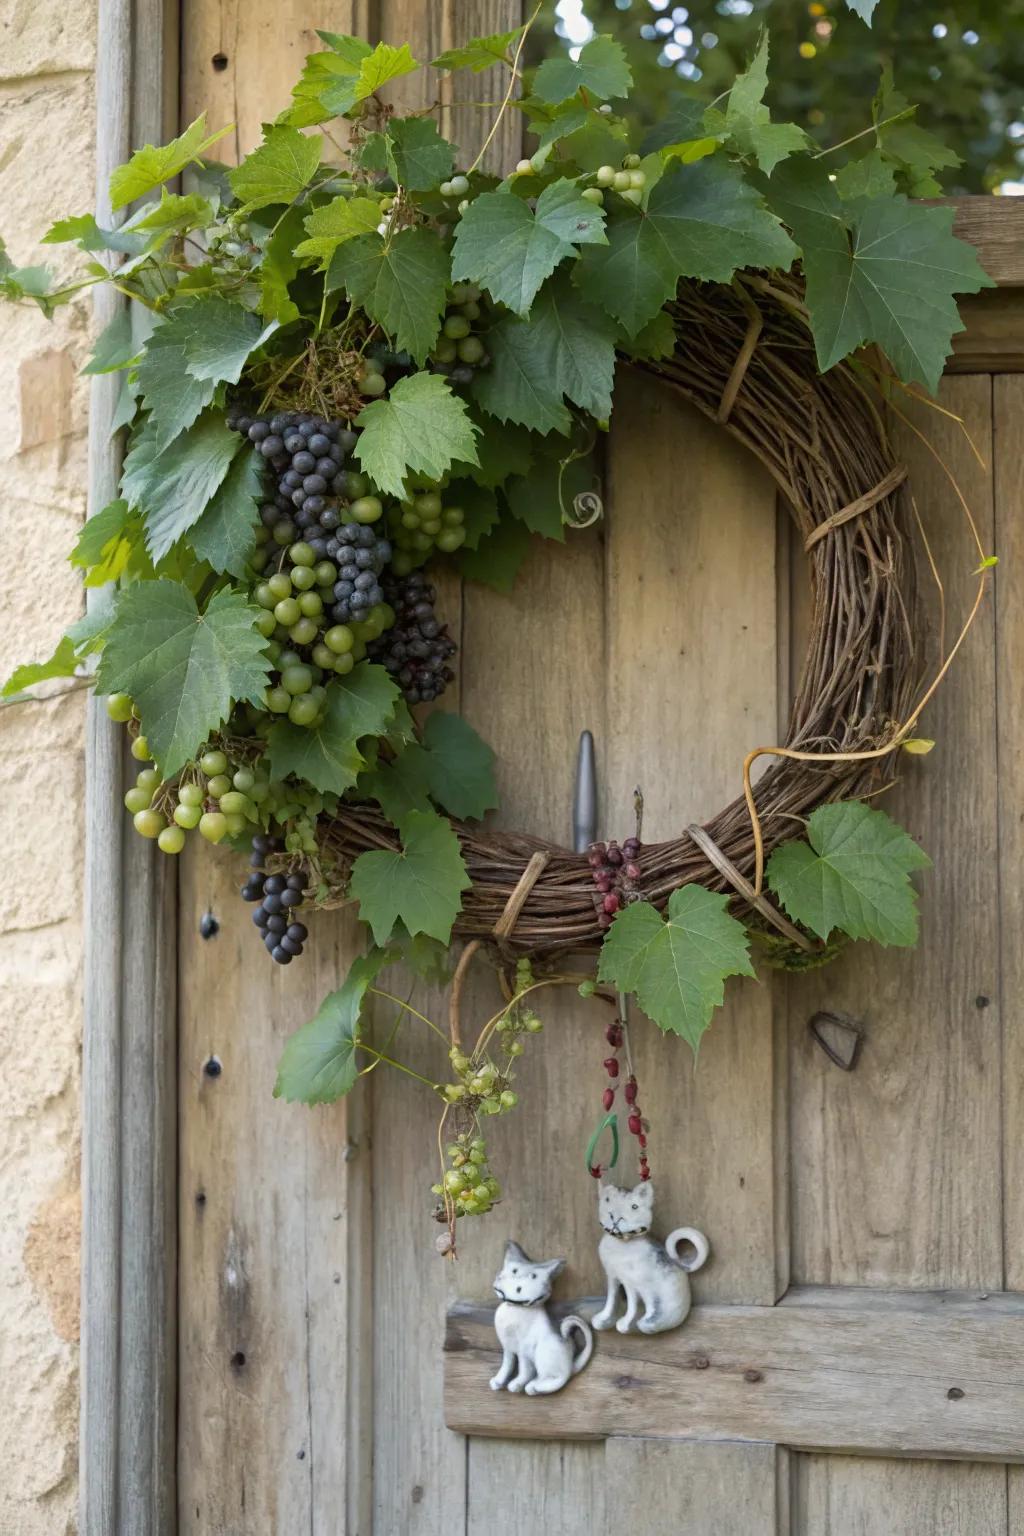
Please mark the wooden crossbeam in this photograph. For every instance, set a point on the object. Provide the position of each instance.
(930, 1374)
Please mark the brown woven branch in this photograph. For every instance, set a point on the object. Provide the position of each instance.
(822, 440)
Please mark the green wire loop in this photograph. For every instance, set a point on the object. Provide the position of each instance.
(609, 1123)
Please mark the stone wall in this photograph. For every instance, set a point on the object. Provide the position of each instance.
(46, 170)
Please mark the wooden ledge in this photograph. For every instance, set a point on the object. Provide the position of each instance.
(930, 1374)
(995, 227)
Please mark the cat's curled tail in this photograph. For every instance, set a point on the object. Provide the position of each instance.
(568, 1325)
(696, 1240)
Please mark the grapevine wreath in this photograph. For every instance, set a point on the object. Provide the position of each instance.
(342, 367)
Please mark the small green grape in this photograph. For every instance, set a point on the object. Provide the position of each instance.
(509, 1100)
(297, 679)
(140, 750)
(279, 585)
(171, 839)
(235, 802)
(605, 176)
(187, 816)
(236, 823)
(303, 709)
(303, 578)
(138, 800)
(593, 195)
(213, 825)
(213, 762)
(366, 509)
(302, 554)
(149, 823)
(277, 700)
(304, 631)
(266, 623)
(340, 639)
(287, 612)
(119, 707)
(456, 326)
(149, 778)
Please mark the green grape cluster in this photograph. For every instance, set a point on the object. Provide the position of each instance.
(420, 525)
(460, 349)
(628, 180)
(231, 250)
(468, 1180)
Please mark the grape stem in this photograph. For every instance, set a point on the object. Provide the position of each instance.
(407, 1007)
(389, 1061)
(485, 146)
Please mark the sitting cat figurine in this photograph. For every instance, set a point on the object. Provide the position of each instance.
(649, 1272)
(536, 1355)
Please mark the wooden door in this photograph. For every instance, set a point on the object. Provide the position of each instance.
(856, 1362)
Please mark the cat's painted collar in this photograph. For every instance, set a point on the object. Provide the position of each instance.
(625, 1237)
(512, 1302)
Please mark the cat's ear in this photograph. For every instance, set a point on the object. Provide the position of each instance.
(644, 1191)
(552, 1267)
(514, 1254)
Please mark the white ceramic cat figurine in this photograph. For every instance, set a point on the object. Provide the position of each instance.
(650, 1273)
(536, 1356)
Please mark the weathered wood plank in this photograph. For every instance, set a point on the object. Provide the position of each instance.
(896, 1166)
(992, 340)
(848, 1496)
(906, 1375)
(995, 227)
(691, 686)
(702, 1488)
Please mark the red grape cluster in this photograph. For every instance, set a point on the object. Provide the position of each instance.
(615, 872)
(615, 1035)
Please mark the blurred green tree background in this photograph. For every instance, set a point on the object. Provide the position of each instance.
(962, 63)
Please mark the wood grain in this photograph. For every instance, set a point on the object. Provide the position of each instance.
(898, 1498)
(992, 340)
(895, 1170)
(709, 1488)
(852, 1371)
(995, 227)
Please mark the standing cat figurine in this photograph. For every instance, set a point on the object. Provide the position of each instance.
(649, 1272)
(536, 1355)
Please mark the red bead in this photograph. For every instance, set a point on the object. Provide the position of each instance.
(635, 1124)
(611, 1066)
(611, 902)
(608, 1098)
(630, 1091)
(604, 882)
(642, 1140)
(633, 871)
(645, 1174)
(595, 1173)
(613, 1034)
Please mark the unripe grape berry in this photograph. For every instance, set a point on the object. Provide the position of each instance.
(303, 709)
(456, 327)
(218, 785)
(171, 839)
(340, 639)
(633, 195)
(187, 816)
(235, 801)
(523, 167)
(303, 579)
(190, 794)
(344, 664)
(631, 162)
(366, 509)
(287, 612)
(637, 179)
(243, 779)
(140, 750)
(459, 185)
(279, 585)
(445, 189)
(297, 679)
(621, 181)
(470, 349)
(213, 762)
(304, 631)
(213, 826)
(593, 195)
(372, 384)
(605, 175)
(266, 623)
(302, 554)
(119, 707)
(277, 700)
(149, 778)
(516, 1048)
(509, 1100)
(138, 800)
(451, 539)
(149, 823)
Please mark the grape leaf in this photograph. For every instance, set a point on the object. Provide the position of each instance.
(400, 786)
(173, 215)
(421, 426)
(601, 70)
(502, 451)
(335, 67)
(479, 53)
(62, 663)
(747, 122)
(96, 533)
(420, 885)
(115, 347)
(853, 874)
(151, 165)
(552, 128)
(676, 966)
(655, 340)
(555, 479)
(279, 264)
(183, 668)
(574, 346)
(173, 398)
(225, 533)
(278, 171)
(110, 542)
(336, 222)
(459, 767)
(219, 337)
(865, 9)
(516, 386)
(479, 508)
(498, 557)
(378, 67)
(701, 221)
(318, 1064)
(88, 236)
(870, 176)
(883, 271)
(509, 249)
(915, 153)
(401, 282)
(417, 156)
(328, 756)
(171, 487)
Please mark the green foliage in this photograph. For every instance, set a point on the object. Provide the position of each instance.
(400, 282)
(172, 485)
(319, 1063)
(334, 223)
(150, 166)
(676, 966)
(420, 885)
(852, 875)
(882, 270)
(480, 52)
(747, 121)
(328, 756)
(601, 71)
(453, 766)
(422, 426)
(509, 249)
(224, 533)
(183, 668)
(278, 171)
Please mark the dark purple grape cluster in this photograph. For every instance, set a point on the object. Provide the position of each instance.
(417, 648)
(277, 896)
